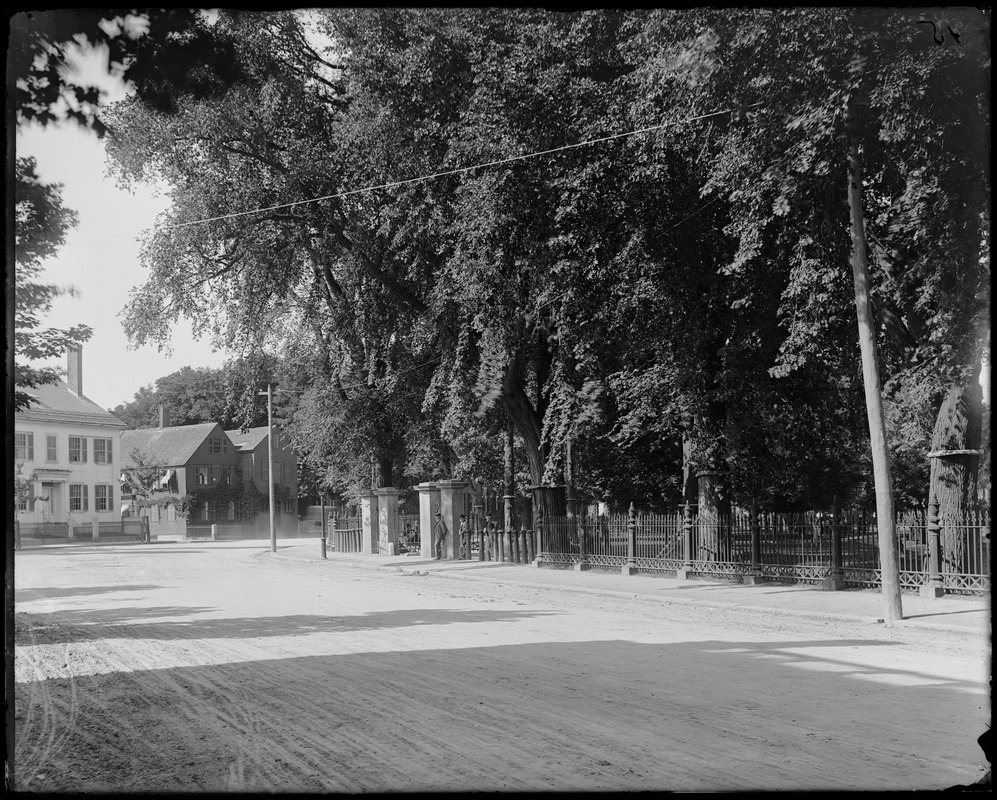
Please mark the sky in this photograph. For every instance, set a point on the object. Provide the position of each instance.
(101, 260)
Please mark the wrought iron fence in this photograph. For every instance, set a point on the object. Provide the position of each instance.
(797, 547)
(408, 531)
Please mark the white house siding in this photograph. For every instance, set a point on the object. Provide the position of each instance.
(54, 478)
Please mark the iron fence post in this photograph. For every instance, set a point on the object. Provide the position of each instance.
(933, 586)
(630, 568)
(836, 580)
(582, 564)
(686, 570)
(754, 573)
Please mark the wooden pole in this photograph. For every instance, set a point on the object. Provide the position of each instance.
(509, 533)
(885, 520)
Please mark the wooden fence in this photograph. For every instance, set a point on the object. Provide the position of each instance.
(808, 547)
(345, 534)
(123, 530)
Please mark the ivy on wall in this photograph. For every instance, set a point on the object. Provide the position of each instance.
(249, 501)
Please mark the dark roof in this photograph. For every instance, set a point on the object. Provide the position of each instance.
(54, 401)
(172, 447)
(248, 440)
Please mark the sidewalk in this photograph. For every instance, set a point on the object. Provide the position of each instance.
(969, 614)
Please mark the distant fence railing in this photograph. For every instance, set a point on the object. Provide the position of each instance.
(56, 531)
(64, 532)
(807, 547)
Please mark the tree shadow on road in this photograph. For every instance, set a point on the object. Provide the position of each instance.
(69, 625)
(28, 594)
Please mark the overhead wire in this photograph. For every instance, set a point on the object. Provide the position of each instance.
(458, 170)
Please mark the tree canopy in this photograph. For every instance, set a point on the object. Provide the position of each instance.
(624, 232)
(41, 223)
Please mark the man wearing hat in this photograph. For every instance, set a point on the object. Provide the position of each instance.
(439, 537)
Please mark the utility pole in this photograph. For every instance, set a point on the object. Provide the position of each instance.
(273, 526)
(885, 520)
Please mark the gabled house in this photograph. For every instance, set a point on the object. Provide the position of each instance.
(206, 479)
(254, 460)
(71, 447)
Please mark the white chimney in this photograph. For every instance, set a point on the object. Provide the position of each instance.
(74, 370)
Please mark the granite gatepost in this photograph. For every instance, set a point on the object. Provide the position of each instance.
(429, 501)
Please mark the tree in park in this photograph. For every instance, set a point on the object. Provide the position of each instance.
(680, 289)
(256, 144)
(781, 171)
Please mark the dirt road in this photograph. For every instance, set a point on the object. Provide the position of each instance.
(162, 668)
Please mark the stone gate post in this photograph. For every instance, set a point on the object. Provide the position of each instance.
(368, 523)
(451, 507)
(387, 517)
(429, 501)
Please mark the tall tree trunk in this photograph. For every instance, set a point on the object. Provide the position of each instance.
(886, 523)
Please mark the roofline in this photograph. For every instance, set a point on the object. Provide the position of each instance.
(82, 418)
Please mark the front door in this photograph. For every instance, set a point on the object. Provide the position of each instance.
(52, 508)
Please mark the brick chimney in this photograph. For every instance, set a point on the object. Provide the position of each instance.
(164, 416)
(74, 368)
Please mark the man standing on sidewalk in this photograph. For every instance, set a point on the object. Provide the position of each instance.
(439, 537)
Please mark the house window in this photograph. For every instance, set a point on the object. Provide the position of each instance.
(51, 447)
(78, 500)
(247, 468)
(77, 449)
(24, 446)
(230, 516)
(103, 497)
(264, 470)
(201, 476)
(226, 475)
(218, 444)
(206, 511)
(101, 451)
(288, 472)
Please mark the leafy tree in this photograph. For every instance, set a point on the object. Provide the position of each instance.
(680, 287)
(779, 170)
(43, 44)
(42, 223)
(24, 485)
(143, 481)
(198, 395)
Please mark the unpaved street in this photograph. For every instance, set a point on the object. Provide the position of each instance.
(182, 667)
